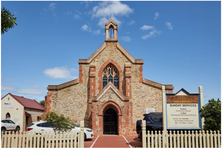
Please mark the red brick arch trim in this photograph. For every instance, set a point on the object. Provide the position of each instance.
(109, 104)
(100, 81)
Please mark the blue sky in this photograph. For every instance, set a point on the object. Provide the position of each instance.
(180, 43)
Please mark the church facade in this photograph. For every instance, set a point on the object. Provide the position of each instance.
(110, 94)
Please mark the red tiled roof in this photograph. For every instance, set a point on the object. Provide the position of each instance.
(28, 103)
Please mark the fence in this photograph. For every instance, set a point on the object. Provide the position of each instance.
(44, 139)
(180, 139)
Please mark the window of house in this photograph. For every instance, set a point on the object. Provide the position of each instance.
(8, 116)
(110, 74)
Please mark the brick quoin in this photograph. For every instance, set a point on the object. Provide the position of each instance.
(92, 88)
(80, 74)
(48, 101)
(100, 81)
(141, 74)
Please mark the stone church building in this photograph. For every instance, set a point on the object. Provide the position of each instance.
(110, 94)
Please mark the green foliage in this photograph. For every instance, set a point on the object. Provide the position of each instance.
(212, 115)
(42, 103)
(59, 122)
(7, 20)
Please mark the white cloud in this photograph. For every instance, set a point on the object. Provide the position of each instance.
(145, 27)
(126, 39)
(110, 10)
(68, 12)
(78, 12)
(132, 22)
(86, 3)
(168, 24)
(33, 85)
(29, 92)
(21, 91)
(152, 33)
(52, 6)
(86, 28)
(58, 72)
(76, 16)
(156, 15)
(7, 88)
(6, 80)
(97, 32)
(103, 21)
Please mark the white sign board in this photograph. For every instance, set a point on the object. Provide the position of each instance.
(8, 104)
(149, 110)
(182, 115)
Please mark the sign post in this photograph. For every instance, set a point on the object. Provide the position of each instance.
(201, 102)
(164, 116)
(182, 110)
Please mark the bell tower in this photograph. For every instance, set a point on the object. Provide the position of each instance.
(111, 31)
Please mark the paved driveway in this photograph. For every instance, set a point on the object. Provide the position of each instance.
(107, 141)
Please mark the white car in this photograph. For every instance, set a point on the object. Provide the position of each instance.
(42, 126)
(9, 125)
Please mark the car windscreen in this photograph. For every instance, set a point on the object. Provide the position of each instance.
(10, 121)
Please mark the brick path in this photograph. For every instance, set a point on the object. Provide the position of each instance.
(114, 141)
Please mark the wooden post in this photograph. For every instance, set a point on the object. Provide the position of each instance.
(144, 133)
(81, 136)
(164, 116)
(201, 103)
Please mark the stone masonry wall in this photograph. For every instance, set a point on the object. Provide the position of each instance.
(110, 52)
(143, 96)
(72, 101)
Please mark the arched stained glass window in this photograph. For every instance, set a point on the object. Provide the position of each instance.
(104, 80)
(110, 74)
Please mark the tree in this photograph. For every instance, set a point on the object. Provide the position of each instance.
(59, 122)
(212, 115)
(7, 20)
(42, 103)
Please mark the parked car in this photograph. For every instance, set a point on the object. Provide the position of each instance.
(9, 125)
(43, 126)
(153, 122)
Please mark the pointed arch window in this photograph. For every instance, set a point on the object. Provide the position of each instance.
(110, 74)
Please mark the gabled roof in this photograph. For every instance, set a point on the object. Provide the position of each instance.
(27, 103)
(111, 21)
(114, 89)
(185, 91)
(157, 85)
(119, 47)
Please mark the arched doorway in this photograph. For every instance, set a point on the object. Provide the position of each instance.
(110, 122)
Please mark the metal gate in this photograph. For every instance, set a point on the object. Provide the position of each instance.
(110, 122)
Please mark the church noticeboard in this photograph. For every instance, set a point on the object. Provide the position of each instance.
(182, 110)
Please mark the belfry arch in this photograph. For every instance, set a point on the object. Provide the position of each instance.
(111, 31)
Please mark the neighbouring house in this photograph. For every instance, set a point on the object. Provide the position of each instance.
(21, 110)
(110, 94)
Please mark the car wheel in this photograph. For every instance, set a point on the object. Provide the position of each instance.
(17, 129)
(84, 137)
(3, 130)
